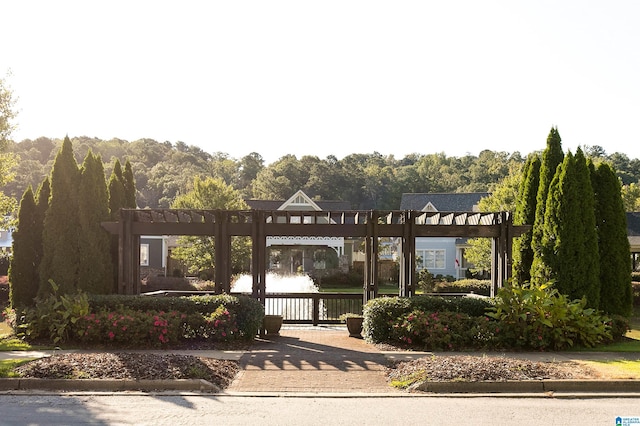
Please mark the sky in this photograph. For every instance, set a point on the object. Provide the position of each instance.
(328, 78)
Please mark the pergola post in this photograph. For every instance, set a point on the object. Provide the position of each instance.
(129, 255)
(408, 256)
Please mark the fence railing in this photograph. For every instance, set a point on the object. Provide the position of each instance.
(298, 308)
(312, 308)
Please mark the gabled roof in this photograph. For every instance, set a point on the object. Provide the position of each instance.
(633, 224)
(442, 202)
(299, 201)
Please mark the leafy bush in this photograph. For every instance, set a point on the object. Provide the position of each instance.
(481, 287)
(131, 328)
(54, 315)
(619, 327)
(436, 330)
(220, 325)
(247, 311)
(539, 317)
(381, 314)
(472, 306)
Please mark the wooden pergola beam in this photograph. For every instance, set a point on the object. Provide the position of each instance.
(258, 224)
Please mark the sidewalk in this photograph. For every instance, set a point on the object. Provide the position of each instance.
(312, 360)
(325, 360)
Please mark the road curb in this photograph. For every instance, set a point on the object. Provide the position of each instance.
(107, 385)
(200, 385)
(533, 386)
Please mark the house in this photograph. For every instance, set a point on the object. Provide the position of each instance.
(633, 234)
(293, 254)
(442, 255)
(6, 241)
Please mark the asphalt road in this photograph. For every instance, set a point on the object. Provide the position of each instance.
(192, 410)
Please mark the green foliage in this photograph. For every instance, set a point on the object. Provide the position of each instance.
(23, 276)
(552, 157)
(481, 287)
(199, 252)
(130, 328)
(437, 330)
(54, 315)
(117, 192)
(525, 213)
(129, 184)
(502, 198)
(221, 325)
(568, 254)
(381, 314)
(8, 160)
(61, 230)
(248, 311)
(540, 317)
(614, 251)
(95, 269)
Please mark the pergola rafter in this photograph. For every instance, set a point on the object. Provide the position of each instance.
(258, 224)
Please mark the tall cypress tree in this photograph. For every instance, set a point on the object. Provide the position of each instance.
(61, 231)
(117, 193)
(129, 184)
(616, 296)
(117, 200)
(569, 253)
(552, 157)
(95, 268)
(43, 196)
(525, 213)
(23, 277)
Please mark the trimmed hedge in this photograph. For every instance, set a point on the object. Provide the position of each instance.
(247, 311)
(381, 314)
(480, 287)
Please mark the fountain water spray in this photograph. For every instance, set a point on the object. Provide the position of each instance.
(292, 309)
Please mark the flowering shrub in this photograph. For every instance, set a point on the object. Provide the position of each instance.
(441, 330)
(220, 325)
(131, 328)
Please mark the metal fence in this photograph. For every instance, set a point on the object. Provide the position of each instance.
(312, 308)
(296, 308)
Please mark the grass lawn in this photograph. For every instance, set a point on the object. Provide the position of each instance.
(618, 369)
(7, 366)
(382, 289)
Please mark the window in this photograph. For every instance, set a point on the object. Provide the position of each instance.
(144, 254)
(430, 259)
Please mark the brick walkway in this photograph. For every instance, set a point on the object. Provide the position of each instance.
(312, 359)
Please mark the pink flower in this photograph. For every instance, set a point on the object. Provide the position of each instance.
(111, 335)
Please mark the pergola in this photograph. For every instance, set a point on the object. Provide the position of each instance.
(405, 225)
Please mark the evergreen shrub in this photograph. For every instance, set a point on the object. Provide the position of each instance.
(247, 311)
(381, 314)
(539, 317)
(481, 287)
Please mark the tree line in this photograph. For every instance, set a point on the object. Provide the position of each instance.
(163, 171)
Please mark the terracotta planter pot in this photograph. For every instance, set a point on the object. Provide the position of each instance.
(354, 325)
(272, 324)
